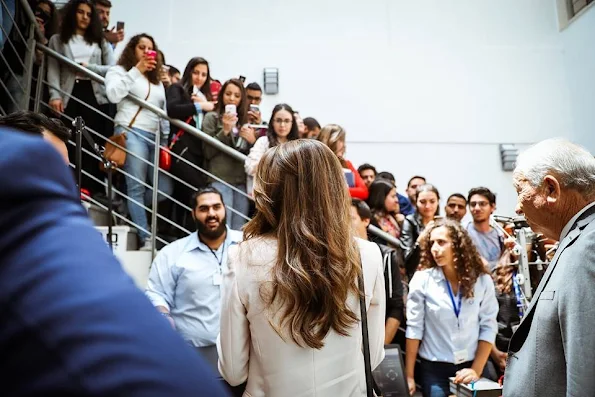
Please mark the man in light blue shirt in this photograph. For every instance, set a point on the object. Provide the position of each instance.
(488, 241)
(185, 279)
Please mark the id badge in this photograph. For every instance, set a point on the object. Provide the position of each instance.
(460, 356)
(217, 279)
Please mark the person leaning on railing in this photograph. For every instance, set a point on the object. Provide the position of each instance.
(81, 40)
(137, 74)
(188, 101)
(230, 128)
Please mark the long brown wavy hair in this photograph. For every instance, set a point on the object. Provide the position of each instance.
(303, 203)
(128, 58)
(467, 260)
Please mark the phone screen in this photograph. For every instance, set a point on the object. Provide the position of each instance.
(120, 26)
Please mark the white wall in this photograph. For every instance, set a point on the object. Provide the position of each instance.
(579, 61)
(425, 88)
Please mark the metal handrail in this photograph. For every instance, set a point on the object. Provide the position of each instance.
(385, 236)
(158, 111)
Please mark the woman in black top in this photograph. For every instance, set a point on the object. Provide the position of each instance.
(188, 100)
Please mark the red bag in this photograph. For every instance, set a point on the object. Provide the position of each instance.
(164, 158)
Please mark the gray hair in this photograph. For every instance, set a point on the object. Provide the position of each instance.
(571, 163)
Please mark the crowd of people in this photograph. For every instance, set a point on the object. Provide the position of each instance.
(285, 289)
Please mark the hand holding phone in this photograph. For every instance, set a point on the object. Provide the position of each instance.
(120, 26)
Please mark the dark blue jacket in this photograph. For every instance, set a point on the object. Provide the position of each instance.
(72, 323)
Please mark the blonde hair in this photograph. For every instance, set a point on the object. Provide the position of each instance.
(331, 135)
(303, 203)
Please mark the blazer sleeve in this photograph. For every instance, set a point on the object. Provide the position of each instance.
(576, 308)
(61, 287)
(118, 82)
(54, 68)
(233, 342)
(107, 59)
(178, 106)
(256, 153)
(360, 190)
(377, 307)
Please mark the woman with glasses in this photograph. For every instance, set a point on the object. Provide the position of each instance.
(333, 136)
(290, 322)
(282, 128)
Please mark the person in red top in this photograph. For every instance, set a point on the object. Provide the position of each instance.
(333, 136)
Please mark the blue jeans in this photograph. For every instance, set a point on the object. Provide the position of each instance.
(144, 172)
(6, 20)
(434, 377)
(235, 200)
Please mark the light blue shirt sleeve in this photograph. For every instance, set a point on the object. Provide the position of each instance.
(161, 285)
(198, 107)
(488, 310)
(416, 302)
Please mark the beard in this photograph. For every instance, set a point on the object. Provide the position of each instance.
(208, 232)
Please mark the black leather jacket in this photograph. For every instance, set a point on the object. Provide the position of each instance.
(412, 228)
(392, 261)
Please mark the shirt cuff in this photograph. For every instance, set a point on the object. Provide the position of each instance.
(157, 300)
(198, 107)
(487, 335)
(414, 332)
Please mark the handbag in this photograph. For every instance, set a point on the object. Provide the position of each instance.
(165, 161)
(371, 386)
(115, 146)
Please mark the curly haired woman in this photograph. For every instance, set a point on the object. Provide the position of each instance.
(451, 311)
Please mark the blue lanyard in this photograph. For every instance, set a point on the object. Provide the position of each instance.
(456, 308)
(517, 294)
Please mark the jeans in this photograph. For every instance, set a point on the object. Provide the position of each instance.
(6, 20)
(435, 382)
(144, 172)
(235, 200)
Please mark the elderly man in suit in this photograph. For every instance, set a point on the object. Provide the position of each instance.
(552, 352)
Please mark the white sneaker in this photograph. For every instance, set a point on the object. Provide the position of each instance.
(146, 245)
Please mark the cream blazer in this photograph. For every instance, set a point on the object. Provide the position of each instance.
(250, 349)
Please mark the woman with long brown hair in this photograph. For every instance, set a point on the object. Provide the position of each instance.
(137, 73)
(290, 322)
(451, 310)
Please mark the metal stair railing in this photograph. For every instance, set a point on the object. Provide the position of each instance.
(40, 80)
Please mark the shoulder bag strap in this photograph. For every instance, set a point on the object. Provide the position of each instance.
(140, 107)
(371, 386)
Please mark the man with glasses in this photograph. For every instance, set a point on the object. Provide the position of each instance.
(254, 96)
(489, 241)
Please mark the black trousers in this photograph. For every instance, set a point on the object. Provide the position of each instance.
(83, 90)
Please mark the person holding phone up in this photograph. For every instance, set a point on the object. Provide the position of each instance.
(228, 124)
(451, 311)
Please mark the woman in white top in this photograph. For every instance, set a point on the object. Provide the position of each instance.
(71, 94)
(451, 310)
(290, 301)
(137, 74)
(282, 128)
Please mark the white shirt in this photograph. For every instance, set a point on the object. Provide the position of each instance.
(119, 83)
(572, 221)
(431, 317)
(81, 50)
(256, 152)
(182, 280)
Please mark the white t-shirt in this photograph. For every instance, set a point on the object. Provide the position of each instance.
(81, 50)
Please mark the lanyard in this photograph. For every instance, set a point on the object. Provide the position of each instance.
(456, 308)
(219, 261)
(517, 294)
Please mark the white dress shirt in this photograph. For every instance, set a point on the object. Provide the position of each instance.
(431, 317)
(183, 278)
(573, 220)
(250, 348)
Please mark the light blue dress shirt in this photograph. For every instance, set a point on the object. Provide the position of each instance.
(431, 317)
(182, 279)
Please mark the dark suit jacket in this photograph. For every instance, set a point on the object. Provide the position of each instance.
(72, 323)
(552, 352)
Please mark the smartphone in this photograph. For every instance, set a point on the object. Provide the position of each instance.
(242, 79)
(165, 68)
(151, 54)
(215, 88)
(119, 25)
(349, 177)
(230, 109)
(254, 108)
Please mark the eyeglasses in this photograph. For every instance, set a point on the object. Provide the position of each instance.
(283, 121)
(482, 204)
